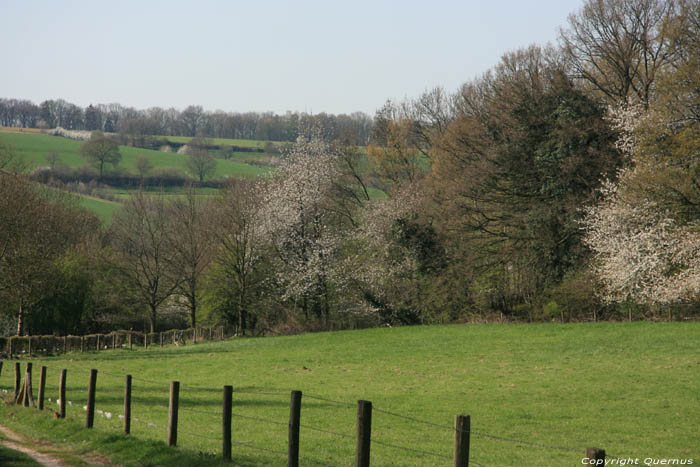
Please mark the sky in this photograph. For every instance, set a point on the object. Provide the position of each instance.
(257, 55)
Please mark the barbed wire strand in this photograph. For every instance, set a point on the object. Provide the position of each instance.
(527, 443)
(311, 396)
(248, 445)
(264, 393)
(322, 430)
(180, 430)
(413, 419)
(149, 424)
(264, 420)
(403, 448)
(478, 433)
(204, 412)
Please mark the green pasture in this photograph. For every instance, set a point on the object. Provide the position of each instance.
(34, 148)
(103, 208)
(537, 394)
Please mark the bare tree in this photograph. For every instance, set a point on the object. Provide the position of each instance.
(619, 46)
(140, 236)
(38, 226)
(191, 243)
(240, 242)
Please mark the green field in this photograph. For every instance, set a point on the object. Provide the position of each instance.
(34, 148)
(631, 389)
(103, 208)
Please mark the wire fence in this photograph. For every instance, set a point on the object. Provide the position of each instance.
(192, 406)
(54, 345)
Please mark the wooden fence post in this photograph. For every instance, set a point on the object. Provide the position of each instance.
(29, 351)
(294, 423)
(127, 405)
(364, 433)
(90, 418)
(130, 347)
(462, 428)
(114, 340)
(42, 386)
(595, 456)
(18, 379)
(172, 419)
(82, 343)
(62, 394)
(65, 344)
(145, 340)
(27, 396)
(226, 420)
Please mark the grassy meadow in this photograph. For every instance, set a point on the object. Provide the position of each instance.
(34, 148)
(104, 209)
(631, 389)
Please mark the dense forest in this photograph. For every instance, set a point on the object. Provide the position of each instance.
(563, 184)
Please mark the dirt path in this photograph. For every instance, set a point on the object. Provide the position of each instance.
(16, 442)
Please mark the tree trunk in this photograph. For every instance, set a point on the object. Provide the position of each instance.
(193, 311)
(153, 318)
(20, 320)
(241, 312)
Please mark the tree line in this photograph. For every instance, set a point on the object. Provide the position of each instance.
(563, 182)
(560, 185)
(192, 121)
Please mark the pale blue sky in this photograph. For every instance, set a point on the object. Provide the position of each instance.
(238, 56)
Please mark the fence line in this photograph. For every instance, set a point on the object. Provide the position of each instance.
(52, 344)
(363, 423)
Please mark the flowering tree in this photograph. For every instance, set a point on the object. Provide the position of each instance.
(641, 253)
(384, 268)
(645, 231)
(298, 220)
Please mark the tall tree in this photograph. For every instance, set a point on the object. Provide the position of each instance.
(299, 223)
(141, 239)
(241, 245)
(644, 230)
(192, 244)
(93, 118)
(39, 226)
(618, 47)
(100, 150)
(201, 162)
(524, 150)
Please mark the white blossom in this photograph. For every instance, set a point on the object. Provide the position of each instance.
(297, 219)
(640, 252)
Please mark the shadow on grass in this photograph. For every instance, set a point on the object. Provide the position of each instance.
(71, 436)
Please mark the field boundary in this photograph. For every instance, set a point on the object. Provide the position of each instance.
(54, 345)
(461, 431)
